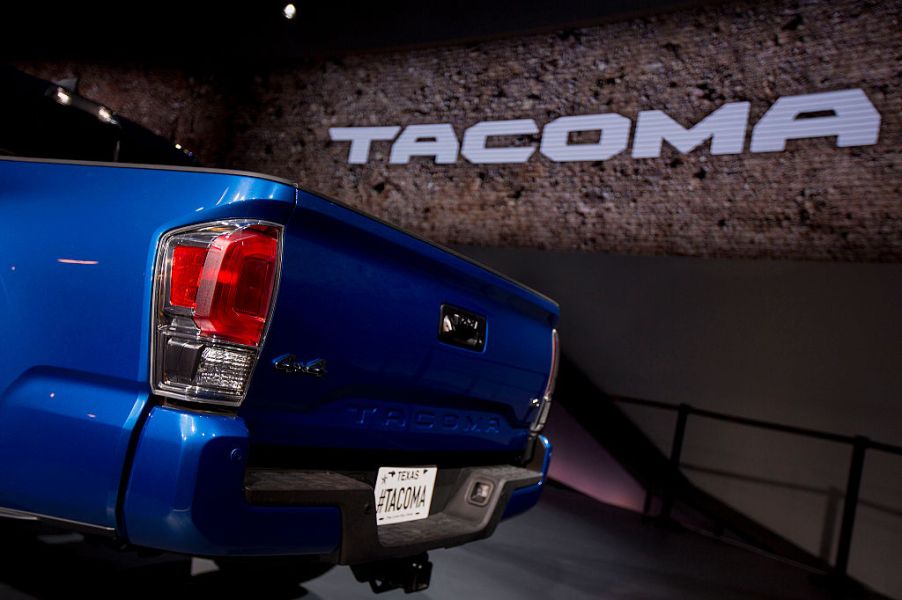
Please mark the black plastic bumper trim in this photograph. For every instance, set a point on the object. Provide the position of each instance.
(453, 520)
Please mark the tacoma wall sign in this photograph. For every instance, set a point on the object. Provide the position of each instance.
(847, 115)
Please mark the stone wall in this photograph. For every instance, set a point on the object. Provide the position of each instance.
(813, 201)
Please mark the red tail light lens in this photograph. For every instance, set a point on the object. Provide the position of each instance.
(235, 287)
(213, 299)
(187, 264)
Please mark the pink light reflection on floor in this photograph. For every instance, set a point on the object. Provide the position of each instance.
(583, 464)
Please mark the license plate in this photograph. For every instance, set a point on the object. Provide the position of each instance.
(403, 493)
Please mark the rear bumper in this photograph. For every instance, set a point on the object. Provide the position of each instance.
(190, 491)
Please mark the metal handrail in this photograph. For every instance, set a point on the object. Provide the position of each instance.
(860, 445)
(759, 423)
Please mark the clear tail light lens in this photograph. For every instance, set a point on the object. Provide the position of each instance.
(544, 403)
(213, 297)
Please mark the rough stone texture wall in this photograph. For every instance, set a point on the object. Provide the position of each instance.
(813, 201)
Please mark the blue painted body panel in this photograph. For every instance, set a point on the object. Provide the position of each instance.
(366, 298)
(525, 498)
(74, 335)
(81, 439)
(63, 439)
(186, 494)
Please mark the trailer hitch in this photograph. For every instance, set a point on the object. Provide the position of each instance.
(411, 573)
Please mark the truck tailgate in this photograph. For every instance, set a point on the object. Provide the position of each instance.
(366, 298)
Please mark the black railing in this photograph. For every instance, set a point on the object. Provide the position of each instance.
(860, 445)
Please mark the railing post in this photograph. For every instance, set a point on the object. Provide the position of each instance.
(850, 504)
(676, 451)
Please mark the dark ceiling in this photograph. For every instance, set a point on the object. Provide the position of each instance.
(190, 32)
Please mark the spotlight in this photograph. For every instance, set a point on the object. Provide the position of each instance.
(106, 115)
(62, 96)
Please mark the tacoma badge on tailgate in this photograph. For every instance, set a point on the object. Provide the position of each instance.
(462, 328)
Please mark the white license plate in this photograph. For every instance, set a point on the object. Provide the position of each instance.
(403, 493)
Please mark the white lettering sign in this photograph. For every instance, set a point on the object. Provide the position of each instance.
(436, 140)
(613, 136)
(725, 127)
(474, 147)
(854, 122)
(847, 115)
(361, 138)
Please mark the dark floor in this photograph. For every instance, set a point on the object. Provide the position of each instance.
(569, 547)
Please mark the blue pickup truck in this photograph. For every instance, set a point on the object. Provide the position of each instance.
(224, 364)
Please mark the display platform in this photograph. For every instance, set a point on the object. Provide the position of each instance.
(570, 546)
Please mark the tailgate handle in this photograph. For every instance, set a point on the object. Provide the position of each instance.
(463, 328)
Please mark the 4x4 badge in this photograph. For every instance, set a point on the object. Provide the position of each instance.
(289, 363)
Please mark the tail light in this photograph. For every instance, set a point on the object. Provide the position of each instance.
(543, 404)
(213, 297)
